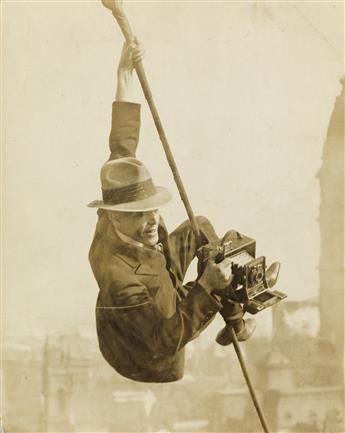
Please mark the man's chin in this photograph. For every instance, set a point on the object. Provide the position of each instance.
(150, 240)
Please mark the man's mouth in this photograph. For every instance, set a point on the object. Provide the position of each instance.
(151, 232)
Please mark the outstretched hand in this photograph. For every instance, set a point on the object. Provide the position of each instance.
(131, 54)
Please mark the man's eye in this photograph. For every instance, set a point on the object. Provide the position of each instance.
(136, 215)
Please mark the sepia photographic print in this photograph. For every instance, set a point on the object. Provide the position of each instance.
(172, 216)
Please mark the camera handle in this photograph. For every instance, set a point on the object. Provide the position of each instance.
(118, 13)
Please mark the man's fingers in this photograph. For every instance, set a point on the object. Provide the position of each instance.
(135, 43)
(228, 260)
(226, 267)
(126, 49)
(138, 55)
(217, 275)
(131, 54)
(134, 51)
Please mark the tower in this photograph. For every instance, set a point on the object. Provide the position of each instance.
(331, 178)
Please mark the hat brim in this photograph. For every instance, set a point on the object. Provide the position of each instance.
(161, 198)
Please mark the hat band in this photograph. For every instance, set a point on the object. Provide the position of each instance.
(129, 193)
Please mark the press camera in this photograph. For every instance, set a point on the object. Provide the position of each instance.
(251, 281)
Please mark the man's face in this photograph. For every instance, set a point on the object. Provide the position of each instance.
(140, 226)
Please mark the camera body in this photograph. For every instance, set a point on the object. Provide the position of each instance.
(251, 281)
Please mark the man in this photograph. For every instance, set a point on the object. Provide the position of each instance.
(145, 316)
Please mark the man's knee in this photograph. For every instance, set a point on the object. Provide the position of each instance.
(202, 220)
(206, 228)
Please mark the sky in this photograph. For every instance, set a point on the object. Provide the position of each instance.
(245, 91)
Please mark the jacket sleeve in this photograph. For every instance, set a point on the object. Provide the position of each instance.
(125, 128)
(135, 314)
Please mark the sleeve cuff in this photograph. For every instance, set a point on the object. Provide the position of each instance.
(123, 104)
(213, 300)
(122, 111)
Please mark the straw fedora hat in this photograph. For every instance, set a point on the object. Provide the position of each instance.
(127, 186)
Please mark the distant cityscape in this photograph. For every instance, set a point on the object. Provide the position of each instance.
(61, 384)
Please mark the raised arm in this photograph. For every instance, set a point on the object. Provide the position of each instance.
(124, 134)
(131, 53)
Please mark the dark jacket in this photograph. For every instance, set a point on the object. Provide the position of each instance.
(144, 315)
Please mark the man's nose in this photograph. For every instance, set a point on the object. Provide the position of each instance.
(153, 217)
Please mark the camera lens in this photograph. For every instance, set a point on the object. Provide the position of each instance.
(256, 275)
(259, 275)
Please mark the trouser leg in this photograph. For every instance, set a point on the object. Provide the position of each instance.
(183, 246)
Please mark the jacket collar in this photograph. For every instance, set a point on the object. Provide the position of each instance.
(127, 239)
(144, 260)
